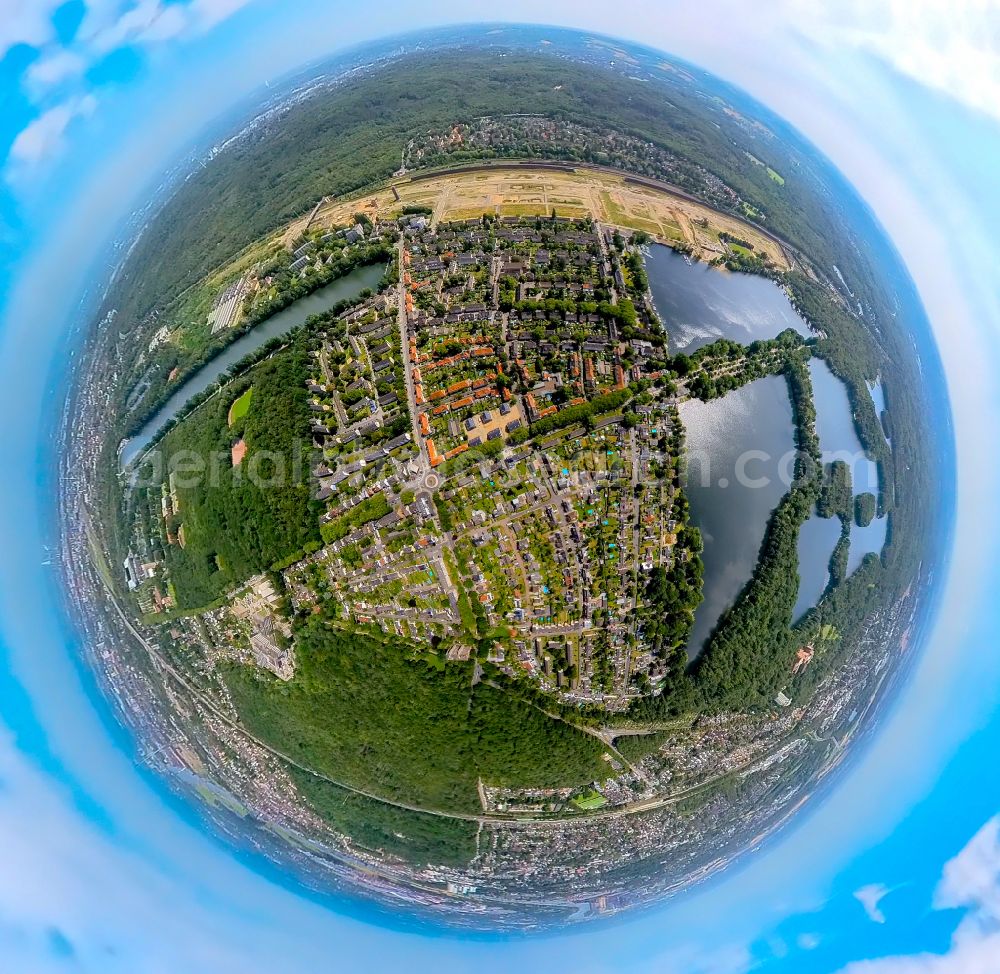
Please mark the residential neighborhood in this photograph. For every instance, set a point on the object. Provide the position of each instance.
(444, 521)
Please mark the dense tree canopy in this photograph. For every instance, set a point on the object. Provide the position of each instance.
(363, 712)
(234, 521)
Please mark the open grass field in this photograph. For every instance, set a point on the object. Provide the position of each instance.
(240, 407)
(520, 191)
(590, 801)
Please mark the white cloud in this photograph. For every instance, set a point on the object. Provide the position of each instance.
(151, 22)
(699, 959)
(972, 878)
(208, 13)
(41, 138)
(978, 956)
(25, 23)
(54, 68)
(971, 881)
(107, 27)
(148, 21)
(870, 897)
(950, 46)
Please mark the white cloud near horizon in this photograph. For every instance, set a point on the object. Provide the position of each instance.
(870, 897)
(46, 134)
(952, 46)
(55, 81)
(25, 23)
(152, 22)
(972, 878)
(969, 881)
(937, 244)
(54, 68)
(149, 21)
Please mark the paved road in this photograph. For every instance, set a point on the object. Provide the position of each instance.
(485, 819)
(411, 397)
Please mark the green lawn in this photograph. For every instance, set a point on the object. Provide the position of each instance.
(590, 801)
(240, 407)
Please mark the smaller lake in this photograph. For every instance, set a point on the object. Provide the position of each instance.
(699, 303)
(838, 440)
(877, 391)
(740, 452)
(817, 539)
(838, 437)
(867, 541)
(344, 289)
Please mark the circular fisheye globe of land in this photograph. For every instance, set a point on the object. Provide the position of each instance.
(495, 474)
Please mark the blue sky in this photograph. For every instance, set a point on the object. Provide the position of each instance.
(898, 872)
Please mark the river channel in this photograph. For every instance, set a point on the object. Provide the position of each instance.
(345, 288)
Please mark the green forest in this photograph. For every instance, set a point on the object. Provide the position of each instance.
(233, 522)
(372, 714)
(365, 713)
(411, 836)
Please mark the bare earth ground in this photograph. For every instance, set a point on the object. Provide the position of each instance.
(607, 197)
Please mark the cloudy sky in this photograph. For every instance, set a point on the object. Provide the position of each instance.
(897, 873)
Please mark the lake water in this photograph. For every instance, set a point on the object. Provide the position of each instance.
(817, 539)
(345, 288)
(838, 440)
(733, 490)
(867, 541)
(877, 391)
(838, 437)
(732, 508)
(699, 303)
